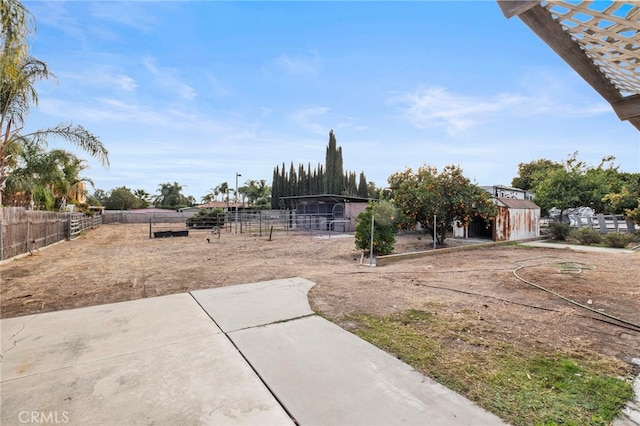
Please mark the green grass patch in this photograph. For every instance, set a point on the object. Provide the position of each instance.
(522, 385)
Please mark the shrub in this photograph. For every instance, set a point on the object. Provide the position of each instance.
(559, 230)
(383, 230)
(207, 218)
(615, 240)
(586, 236)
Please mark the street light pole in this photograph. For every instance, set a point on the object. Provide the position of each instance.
(235, 200)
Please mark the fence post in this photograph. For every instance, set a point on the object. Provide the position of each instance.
(1, 234)
(29, 235)
(631, 227)
(602, 224)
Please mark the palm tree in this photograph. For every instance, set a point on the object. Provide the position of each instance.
(143, 197)
(18, 74)
(262, 193)
(45, 178)
(210, 196)
(223, 189)
(249, 190)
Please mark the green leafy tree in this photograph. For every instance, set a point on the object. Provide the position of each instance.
(384, 215)
(530, 174)
(93, 201)
(19, 73)
(170, 196)
(627, 198)
(449, 196)
(101, 196)
(121, 198)
(577, 184)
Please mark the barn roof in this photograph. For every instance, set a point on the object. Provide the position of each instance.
(599, 40)
(513, 203)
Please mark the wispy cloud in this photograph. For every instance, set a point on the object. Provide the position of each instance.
(57, 15)
(297, 64)
(437, 107)
(309, 118)
(168, 78)
(114, 113)
(130, 14)
(103, 76)
(434, 107)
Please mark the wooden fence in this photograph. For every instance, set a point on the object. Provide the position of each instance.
(22, 231)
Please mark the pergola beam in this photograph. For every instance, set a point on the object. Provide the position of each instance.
(540, 21)
(628, 108)
(515, 8)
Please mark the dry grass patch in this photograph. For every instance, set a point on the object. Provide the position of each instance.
(522, 385)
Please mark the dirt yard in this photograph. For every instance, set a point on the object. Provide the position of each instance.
(120, 262)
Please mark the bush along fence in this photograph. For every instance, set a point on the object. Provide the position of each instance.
(23, 231)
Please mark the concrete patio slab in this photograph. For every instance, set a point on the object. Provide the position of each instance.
(327, 376)
(38, 343)
(250, 305)
(165, 361)
(151, 361)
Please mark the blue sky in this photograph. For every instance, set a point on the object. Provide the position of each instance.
(195, 92)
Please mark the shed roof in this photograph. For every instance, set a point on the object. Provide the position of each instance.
(514, 203)
(599, 40)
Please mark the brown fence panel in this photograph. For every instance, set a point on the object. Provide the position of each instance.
(22, 231)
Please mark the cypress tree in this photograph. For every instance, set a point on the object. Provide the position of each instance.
(293, 181)
(283, 183)
(329, 178)
(275, 187)
(352, 186)
(363, 189)
(334, 175)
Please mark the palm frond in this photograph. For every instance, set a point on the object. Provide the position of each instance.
(76, 135)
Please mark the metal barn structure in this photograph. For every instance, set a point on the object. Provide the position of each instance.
(517, 219)
(326, 212)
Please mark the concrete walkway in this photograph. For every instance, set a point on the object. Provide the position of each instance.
(578, 247)
(251, 354)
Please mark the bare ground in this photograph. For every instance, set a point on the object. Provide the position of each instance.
(120, 262)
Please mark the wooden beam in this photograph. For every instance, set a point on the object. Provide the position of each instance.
(550, 31)
(635, 122)
(627, 108)
(512, 8)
